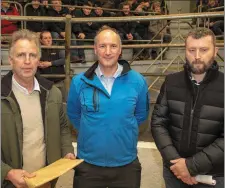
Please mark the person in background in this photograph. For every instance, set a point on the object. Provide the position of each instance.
(46, 6)
(127, 30)
(188, 118)
(106, 105)
(35, 9)
(89, 29)
(7, 26)
(34, 127)
(85, 30)
(142, 28)
(99, 12)
(58, 28)
(215, 24)
(155, 26)
(52, 62)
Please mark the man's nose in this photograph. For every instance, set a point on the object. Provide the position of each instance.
(197, 54)
(108, 50)
(27, 59)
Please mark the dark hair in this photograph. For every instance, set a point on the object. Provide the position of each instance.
(41, 34)
(200, 33)
(87, 3)
(98, 4)
(124, 4)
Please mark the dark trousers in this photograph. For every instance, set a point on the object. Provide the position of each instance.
(91, 176)
(172, 182)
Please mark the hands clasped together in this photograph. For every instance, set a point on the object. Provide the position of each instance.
(180, 170)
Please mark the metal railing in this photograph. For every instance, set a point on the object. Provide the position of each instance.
(69, 20)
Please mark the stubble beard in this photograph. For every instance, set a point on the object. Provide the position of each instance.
(199, 70)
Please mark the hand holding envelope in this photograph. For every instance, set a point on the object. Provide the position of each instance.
(48, 173)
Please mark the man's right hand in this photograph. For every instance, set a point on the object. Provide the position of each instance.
(81, 36)
(63, 34)
(16, 176)
(44, 64)
(180, 170)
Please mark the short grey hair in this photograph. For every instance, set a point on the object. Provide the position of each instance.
(104, 28)
(24, 34)
(200, 33)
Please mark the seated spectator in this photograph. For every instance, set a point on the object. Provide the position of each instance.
(198, 8)
(52, 62)
(143, 6)
(22, 2)
(85, 30)
(35, 9)
(70, 2)
(215, 24)
(7, 26)
(155, 26)
(46, 6)
(73, 2)
(89, 29)
(221, 2)
(133, 4)
(201, 2)
(127, 30)
(58, 28)
(99, 12)
(142, 27)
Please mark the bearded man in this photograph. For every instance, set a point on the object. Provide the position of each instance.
(188, 118)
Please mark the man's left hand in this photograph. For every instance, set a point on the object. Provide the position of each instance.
(70, 156)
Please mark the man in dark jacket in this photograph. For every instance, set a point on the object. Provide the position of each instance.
(86, 30)
(52, 62)
(127, 30)
(34, 127)
(35, 9)
(58, 28)
(215, 24)
(188, 118)
(99, 12)
(89, 29)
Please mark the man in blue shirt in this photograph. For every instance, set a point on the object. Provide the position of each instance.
(106, 104)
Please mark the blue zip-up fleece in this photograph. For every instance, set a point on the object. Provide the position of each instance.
(108, 125)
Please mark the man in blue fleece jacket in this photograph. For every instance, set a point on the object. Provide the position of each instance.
(106, 104)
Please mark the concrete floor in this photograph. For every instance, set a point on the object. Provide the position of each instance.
(151, 168)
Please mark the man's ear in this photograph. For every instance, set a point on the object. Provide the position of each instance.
(95, 50)
(216, 51)
(10, 60)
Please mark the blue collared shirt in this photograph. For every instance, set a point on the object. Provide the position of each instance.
(107, 82)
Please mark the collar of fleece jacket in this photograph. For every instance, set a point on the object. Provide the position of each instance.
(91, 71)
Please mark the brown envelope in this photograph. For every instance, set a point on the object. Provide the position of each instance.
(51, 172)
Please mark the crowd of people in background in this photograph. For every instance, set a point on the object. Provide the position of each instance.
(137, 32)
